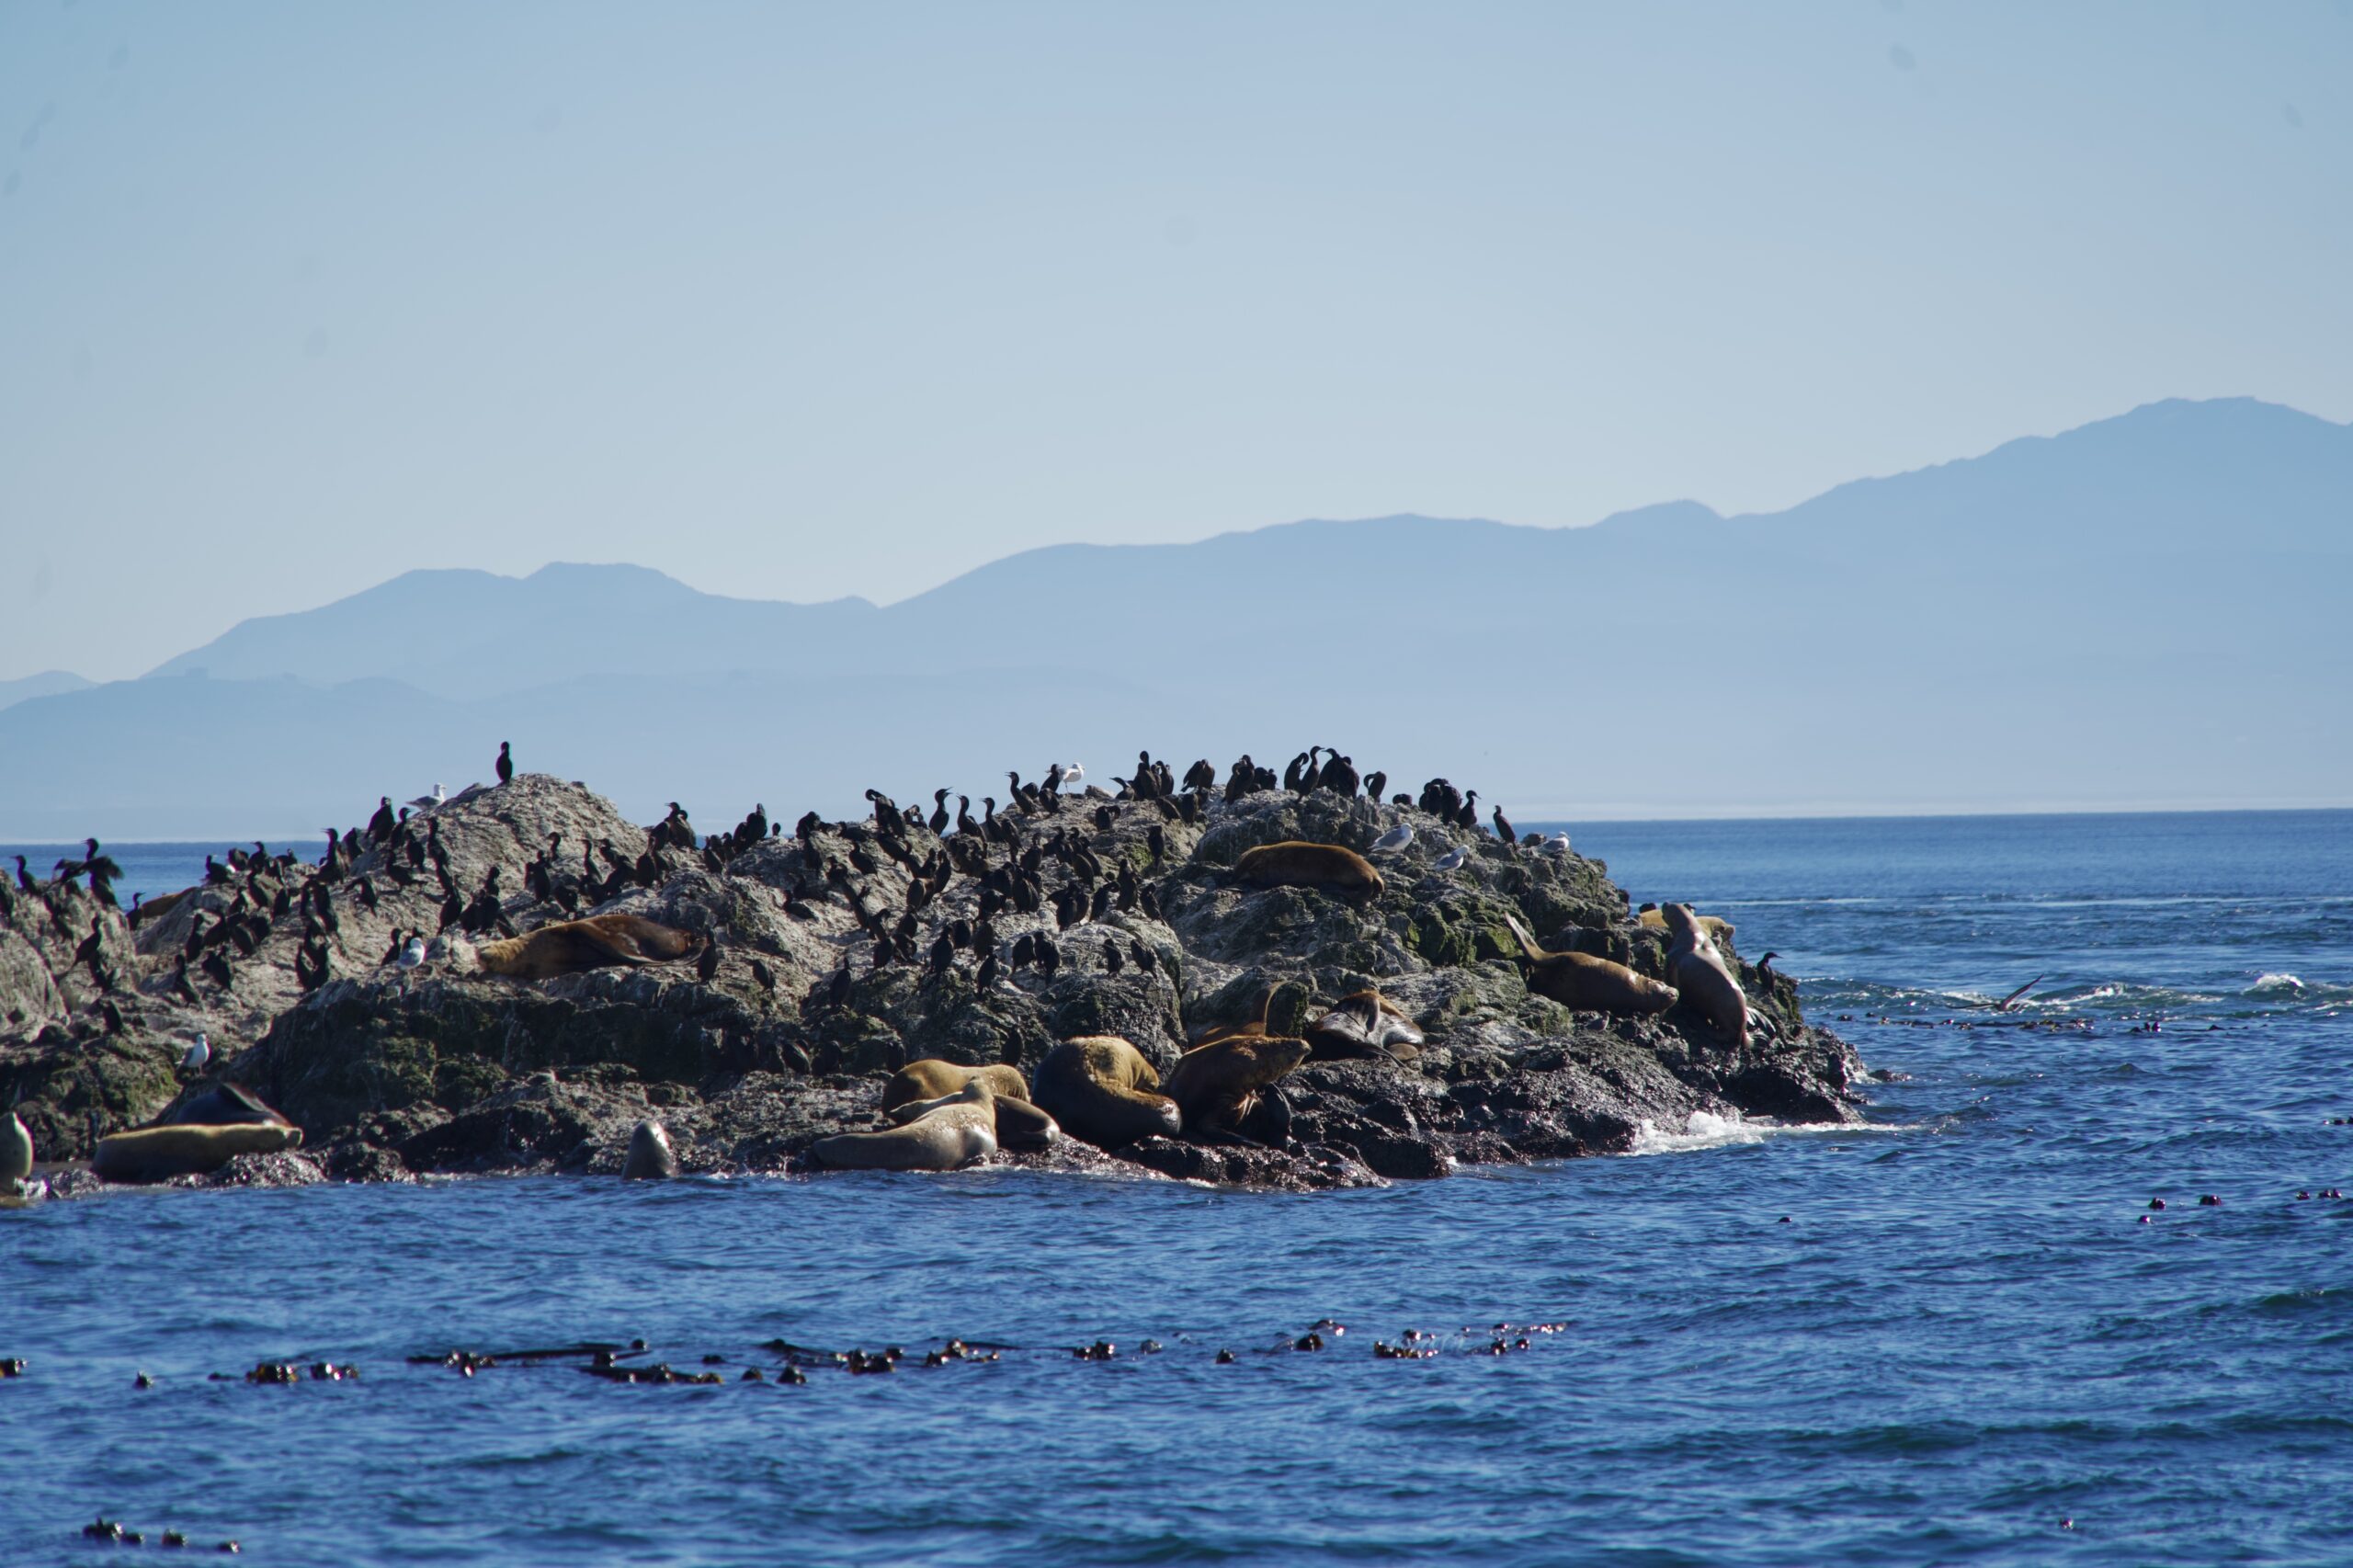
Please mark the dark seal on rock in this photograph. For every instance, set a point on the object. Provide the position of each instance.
(1099, 1087)
(1588, 983)
(601, 941)
(1293, 863)
(222, 1104)
(1365, 1025)
(1215, 1085)
(650, 1156)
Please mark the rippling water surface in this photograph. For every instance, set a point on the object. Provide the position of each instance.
(1962, 1342)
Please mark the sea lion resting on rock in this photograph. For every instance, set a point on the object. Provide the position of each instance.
(931, 1077)
(1097, 1086)
(568, 946)
(221, 1105)
(1715, 925)
(1296, 864)
(156, 1153)
(1588, 983)
(1019, 1124)
(1217, 1085)
(1365, 1024)
(951, 1133)
(1699, 974)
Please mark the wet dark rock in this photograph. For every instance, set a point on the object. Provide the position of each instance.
(787, 1038)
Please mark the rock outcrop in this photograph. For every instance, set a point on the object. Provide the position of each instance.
(1077, 915)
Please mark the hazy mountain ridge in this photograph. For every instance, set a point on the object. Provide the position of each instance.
(2146, 610)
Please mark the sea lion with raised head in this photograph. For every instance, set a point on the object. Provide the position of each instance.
(1019, 1124)
(931, 1077)
(1254, 1025)
(221, 1104)
(650, 1156)
(1099, 1087)
(569, 946)
(1297, 864)
(951, 1133)
(1700, 975)
(1366, 1024)
(1216, 1085)
(1587, 983)
(157, 1153)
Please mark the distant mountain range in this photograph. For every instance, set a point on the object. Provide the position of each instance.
(2146, 611)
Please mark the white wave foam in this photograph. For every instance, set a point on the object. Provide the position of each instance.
(1706, 1130)
(2275, 985)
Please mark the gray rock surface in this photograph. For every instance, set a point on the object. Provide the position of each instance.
(393, 1072)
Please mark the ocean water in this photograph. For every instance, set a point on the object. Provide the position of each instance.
(1949, 1336)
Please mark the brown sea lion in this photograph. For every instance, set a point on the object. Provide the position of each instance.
(1216, 1085)
(569, 946)
(1099, 1087)
(1716, 926)
(1255, 1024)
(1588, 983)
(1019, 1124)
(931, 1077)
(951, 1134)
(154, 1154)
(220, 1105)
(1365, 1024)
(1699, 974)
(1295, 864)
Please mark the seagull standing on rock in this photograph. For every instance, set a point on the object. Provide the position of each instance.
(1394, 839)
(412, 957)
(429, 803)
(1452, 858)
(197, 1055)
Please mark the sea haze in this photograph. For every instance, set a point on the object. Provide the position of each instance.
(1962, 1345)
(2144, 612)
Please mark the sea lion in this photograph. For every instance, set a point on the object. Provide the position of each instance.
(1255, 1024)
(221, 1104)
(931, 1078)
(1699, 974)
(1588, 983)
(1019, 1124)
(1215, 1085)
(16, 1152)
(1716, 926)
(1296, 864)
(650, 1156)
(154, 1154)
(1365, 1024)
(568, 946)
(954, 1132)
(1097, 1086)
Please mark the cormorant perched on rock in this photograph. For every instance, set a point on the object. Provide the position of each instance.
(24, 878)
(1112, 962)
(87, 953)
(1340, 775)
(216, 964)
(707, 965)
(1201, 776)
(505, 764)
(805, 829)
(1373, 785)
(1503, 829)
(1469, 815)
(215, 873)
(939, 817)
(381, 825)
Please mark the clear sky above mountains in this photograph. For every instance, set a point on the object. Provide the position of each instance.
(798, 302)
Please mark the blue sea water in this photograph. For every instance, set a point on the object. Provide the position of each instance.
(1963, 1345)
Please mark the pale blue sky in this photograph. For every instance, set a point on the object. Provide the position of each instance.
(797, 302)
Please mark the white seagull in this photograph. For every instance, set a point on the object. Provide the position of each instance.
(1072, 772)
(412, 956)
(1557, 844)
(1452, 858)
(1395, 839)
(197, 1055)
(431, 802)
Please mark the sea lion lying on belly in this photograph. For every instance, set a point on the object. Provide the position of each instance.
(1296, 864)
(1019, 1124)
(1099, 1087)
(950, 1133)
(156, 1153)
(570, 947)
(931, 1077)
(1588, 983)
